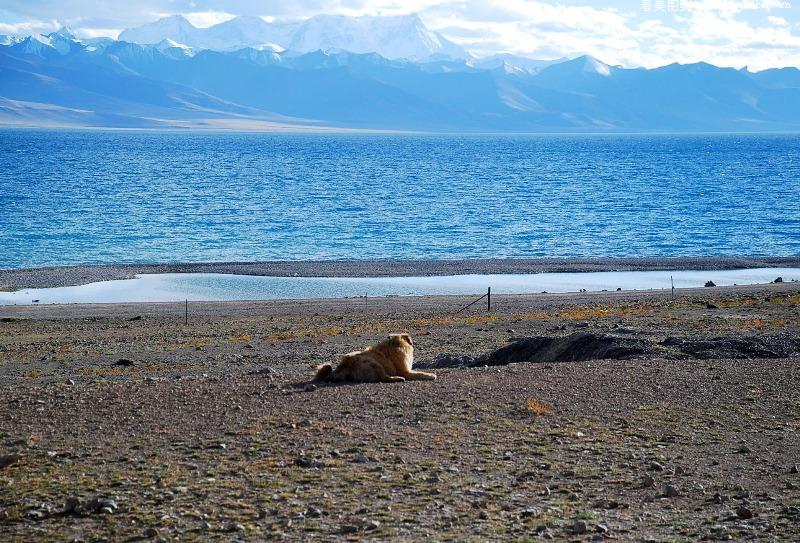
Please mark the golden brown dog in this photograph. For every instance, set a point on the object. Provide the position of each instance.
(389, 361)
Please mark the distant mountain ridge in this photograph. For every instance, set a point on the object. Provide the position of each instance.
(59, 80)
(393, 37)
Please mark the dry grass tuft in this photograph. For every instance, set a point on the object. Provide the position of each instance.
(240, 338)
(539, 409)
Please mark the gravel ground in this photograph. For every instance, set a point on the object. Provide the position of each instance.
(122, 423)
(78, 275)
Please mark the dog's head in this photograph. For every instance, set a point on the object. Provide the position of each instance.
(400, 339)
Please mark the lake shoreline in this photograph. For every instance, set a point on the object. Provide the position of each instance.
(62, 276)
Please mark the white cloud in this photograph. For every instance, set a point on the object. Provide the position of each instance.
(29, 27)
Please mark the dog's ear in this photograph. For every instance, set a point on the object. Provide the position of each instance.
(407, 337)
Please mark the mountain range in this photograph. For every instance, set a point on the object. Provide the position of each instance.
(384, 73)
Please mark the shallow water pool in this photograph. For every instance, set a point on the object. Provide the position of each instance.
(171, 287)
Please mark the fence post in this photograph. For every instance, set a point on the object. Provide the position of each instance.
(186, 313)
(489, 300)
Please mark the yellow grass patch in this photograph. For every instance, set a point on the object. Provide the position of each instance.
(764, 323)
(197, 342)
(34, 374)
(240, 338)
(539, 409)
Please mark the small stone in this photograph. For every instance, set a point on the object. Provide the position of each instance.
(36, 514)
(8, 459)
(795, 469)
(360, 458)
(648, 481)
(744, 449)
(102, 505)
(371, 525)
(656, 466)
(304, 462)
(743, 512)
(313, 512)
(151, 532)
(710, 284)
(483, 515)
(310, 387)
(579, 527)
(669, 491)
(601, 528)
(778, 280)
(234, 527)
(742, 493)
(125, 362)
(348, 529)
(71, 505)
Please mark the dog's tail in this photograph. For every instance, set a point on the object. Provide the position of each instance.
(324, 373)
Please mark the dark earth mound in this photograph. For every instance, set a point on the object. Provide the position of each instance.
(582, 346)
(736, 347)
(573, 348)
(577, 347)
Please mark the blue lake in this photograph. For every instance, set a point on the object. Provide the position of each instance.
(72, 197)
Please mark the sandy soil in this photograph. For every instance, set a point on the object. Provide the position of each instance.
(123, 423)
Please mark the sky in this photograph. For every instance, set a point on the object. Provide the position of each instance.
(758, 34)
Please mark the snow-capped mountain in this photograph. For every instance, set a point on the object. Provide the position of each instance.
(394, 37)
(174, 49)
(174, 27)
(514, 63)
(391, 37)
(7, 40)
(56, 79)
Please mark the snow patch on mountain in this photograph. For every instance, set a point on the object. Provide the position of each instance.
(393, 37)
